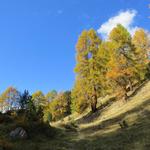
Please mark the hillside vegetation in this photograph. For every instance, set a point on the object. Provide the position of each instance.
(118, 125)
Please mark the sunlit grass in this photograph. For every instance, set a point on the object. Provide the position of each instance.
(99, 131)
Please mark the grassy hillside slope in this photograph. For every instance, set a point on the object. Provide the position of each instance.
(102, 130)
(117, 126)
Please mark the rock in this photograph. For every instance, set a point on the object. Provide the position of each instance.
(18, 133)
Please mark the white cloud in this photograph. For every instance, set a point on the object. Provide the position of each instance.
(126, 18)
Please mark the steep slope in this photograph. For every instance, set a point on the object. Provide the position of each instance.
(120, 110)
(118, 125)
(121, 125)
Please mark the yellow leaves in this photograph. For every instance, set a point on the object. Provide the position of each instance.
(116, 72)
(113, 73)
(140, 38)
(39, 98)
(118, 61)
(122, 60)
(9, 93)
(60, 105)
(81, 45)
(120, 35)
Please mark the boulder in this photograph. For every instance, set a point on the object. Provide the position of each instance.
(18, 133)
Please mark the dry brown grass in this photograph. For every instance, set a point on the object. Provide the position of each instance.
(98, 131)
(109, 117)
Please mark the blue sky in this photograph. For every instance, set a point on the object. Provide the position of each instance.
(38, 37)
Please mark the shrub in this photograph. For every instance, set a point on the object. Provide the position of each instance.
(4, 118)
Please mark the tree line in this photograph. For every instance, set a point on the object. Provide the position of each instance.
(51, 106)
(103, 67)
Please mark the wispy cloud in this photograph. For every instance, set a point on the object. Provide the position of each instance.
(60, 11)
(126, 18)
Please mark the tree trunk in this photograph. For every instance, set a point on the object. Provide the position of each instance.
(130, 85)
(125, 94)
(94, 106)
(94, 101)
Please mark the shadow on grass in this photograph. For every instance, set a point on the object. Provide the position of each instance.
(137, 89)
(119, 118)
(135, 137)
(92, 116)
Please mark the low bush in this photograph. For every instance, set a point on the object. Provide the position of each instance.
(4, 118)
